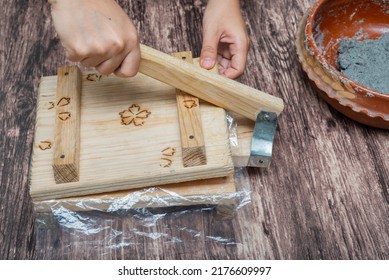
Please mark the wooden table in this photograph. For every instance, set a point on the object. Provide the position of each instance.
(325, 195)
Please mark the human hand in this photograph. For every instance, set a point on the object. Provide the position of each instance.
(99, 34)
(225, 38)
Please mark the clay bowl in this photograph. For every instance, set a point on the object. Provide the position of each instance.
(318, 38)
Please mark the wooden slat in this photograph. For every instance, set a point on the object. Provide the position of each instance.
(67, 125)
(120, 151)
(206, 85)
(191, 130)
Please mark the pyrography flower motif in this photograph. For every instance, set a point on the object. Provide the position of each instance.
(166, 162)
(168, 153)
(63, 101)
(190, 104)
(134, 115)
(64, 116)
(93, 77)
(45, 145)
(50, 106)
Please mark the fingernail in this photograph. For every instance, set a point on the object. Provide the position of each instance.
(207, 62)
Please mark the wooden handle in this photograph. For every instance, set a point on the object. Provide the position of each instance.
(211, 87)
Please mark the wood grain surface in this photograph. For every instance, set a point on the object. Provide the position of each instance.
(66, 159)
(129, 138)
(325, 195)
(209, 86)
(189, 118)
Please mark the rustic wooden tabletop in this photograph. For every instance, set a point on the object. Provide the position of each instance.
(325, 195)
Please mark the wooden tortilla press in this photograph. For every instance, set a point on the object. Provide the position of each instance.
(211, 87)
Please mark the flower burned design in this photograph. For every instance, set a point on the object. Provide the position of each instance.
(93, 77)
(134, 115)
(44, 145)
(64, 116)
(167, 159)
(168, 151)
(190, 104)
(63, 101)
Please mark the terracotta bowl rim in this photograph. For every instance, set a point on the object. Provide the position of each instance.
(312, 47)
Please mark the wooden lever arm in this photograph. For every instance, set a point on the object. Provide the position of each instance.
(211, 87)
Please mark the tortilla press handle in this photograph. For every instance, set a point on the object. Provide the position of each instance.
(211, 87)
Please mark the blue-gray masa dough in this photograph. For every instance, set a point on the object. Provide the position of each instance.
(366, 62)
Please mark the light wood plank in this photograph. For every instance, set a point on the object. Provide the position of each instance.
(206, 85)
(192, 139)
(67, 125)
(118, 151)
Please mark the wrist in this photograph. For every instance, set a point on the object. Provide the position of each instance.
(223, 6)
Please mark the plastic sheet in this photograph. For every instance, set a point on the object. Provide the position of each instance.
(120, 219)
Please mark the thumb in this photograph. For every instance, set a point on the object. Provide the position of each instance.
(209, 50)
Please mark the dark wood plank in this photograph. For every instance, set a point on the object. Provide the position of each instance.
(26, 43)
(325, 195)
(320, 195)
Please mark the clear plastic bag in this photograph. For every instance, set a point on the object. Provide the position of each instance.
(120, 219)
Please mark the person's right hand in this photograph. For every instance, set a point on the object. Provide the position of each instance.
(225, 38)
(98, 34)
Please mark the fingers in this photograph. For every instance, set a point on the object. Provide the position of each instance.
(97, 34)
(125, 64)
(209, 49)
(236, 66)
(92, 61)
(122, 59)
(232, 59)
(109, 66)
(130, 64)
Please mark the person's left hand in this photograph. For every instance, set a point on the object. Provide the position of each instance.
(225, 38)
